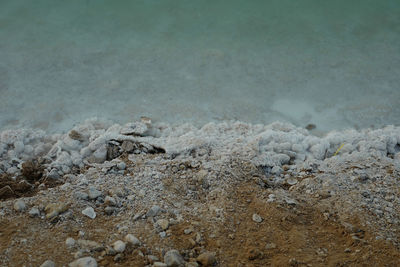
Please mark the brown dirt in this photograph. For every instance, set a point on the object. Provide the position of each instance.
(302, 235)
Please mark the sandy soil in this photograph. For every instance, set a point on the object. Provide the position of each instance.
(203, 216)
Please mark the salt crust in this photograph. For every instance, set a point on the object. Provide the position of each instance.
(270, 145)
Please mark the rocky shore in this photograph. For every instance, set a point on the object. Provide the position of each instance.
(228, 194)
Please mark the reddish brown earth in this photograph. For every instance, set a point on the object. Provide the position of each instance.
(298, 235)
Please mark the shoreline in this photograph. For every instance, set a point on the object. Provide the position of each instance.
(219, 195)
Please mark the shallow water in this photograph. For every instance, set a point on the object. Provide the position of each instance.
(335, 64)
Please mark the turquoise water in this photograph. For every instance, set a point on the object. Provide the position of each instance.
(332, 63)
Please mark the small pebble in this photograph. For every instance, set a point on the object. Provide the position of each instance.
(257, 218)
(34, 212)
(89, 211)
(121, 165)
(154, 211)
(19, 205)
(129, 238)
(93, 193)
(109, 210)
(118, 257)
(188, 231)
(173, 258)
(110, 251)
(81, 195)
(206, 259)
(110, 201)
(84, 262)
(53, 174)
(163, 224)
(70, 242)
(119, 246)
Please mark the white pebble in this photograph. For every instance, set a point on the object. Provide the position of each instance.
(89, 211)
(119, 246)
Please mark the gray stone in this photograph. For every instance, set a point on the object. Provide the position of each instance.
(159, 264)
(89, 211)
(119, 246)
(94, 193)
(53, 174)
(19, 205)
(121, 165)
(70, 242)
(81, 195)
(48, 263)
(84, 262)
(173, 259)
(34, 212)
(110, 201)
(153, 211)
(90, 245)
(110, 210)
(110, 251)
(188, 231)
(129, 238)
